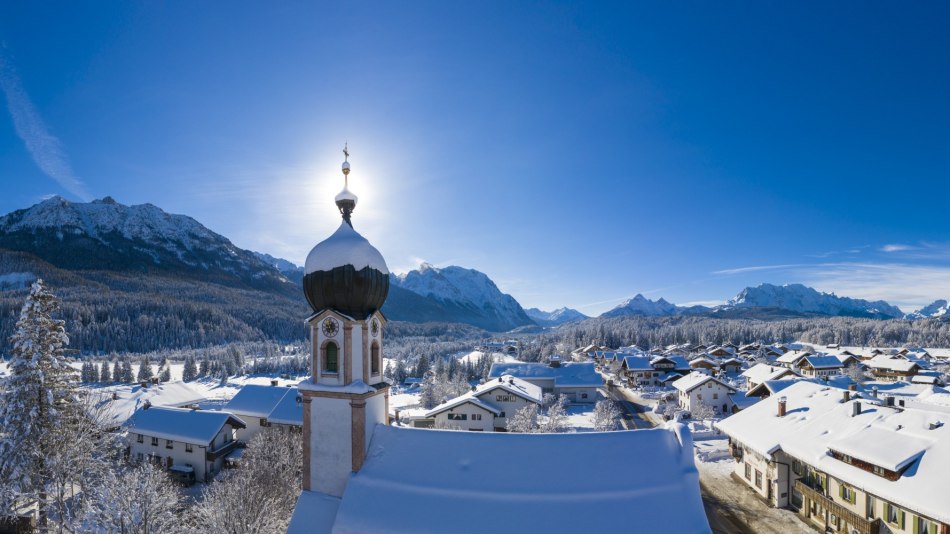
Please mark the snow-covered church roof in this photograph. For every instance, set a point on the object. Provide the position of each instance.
(421, 481)
(345, 247)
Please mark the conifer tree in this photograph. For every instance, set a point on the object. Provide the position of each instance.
(38, 402)
(127, 376)
(190, 372)
(145, 370)
(105, 375)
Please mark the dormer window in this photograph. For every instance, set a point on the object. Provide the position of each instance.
(331, 358)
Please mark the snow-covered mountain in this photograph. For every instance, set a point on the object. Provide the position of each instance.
(556, 317)
(292, 271)
(801, 299)
(106, 235)
(937, 308)
(459, 294)
(640, 305)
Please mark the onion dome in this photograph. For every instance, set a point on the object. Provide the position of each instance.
(345, 272)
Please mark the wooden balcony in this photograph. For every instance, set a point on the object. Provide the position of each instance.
(856, 521)
(223, 450)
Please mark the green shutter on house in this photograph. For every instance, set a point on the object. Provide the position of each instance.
(933, 527)
(901, 519)
(887, 511)
(916, 524)
(841, 492)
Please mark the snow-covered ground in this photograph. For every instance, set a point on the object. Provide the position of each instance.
(715, 466)
(475, 355)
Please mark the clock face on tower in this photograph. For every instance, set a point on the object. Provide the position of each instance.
(375, 328)
(330, 327)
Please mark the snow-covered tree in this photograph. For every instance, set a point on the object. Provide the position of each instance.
(47, 440)
(260, 496)
(135, 500)
(702, 411)
(555, 419)
(606, 416)
(524, 420)
(429, 391)
(145, 370)
(127, 376)
(856, 373)
(105, 375)
(117, 371)
(190, 371)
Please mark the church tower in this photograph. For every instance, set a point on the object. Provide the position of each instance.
(346, 282)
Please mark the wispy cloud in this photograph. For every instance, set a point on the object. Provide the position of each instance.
(44, 147)
(896, 247)
(755, 268)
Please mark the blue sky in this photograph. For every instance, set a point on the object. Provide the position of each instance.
(577, 154)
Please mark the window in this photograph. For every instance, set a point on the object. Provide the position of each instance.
(583, 395)
(879, 471)
(154, 442)
(457, 417)
(502, 414)
(476, 417)
(925, 526)
(715, 396)
(331, 362)
(893, 515)
(798, 468)
(504, 398)
(139, 457)
(699, 396)
(748, 472)
(758, 479)
(140, 438)
(374, 358)
(847, 494)
(264, 422)
(187, 447)
(168, 444)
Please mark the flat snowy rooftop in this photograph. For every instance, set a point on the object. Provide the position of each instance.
(567, 375)
(421, 481)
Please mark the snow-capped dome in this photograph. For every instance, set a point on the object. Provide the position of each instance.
(346, 194)
(344, 272)
(345, 247)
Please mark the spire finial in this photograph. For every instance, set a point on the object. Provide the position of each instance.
(346, 201)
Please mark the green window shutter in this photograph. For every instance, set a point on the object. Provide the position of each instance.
(901, 519)
(841, 491)
(933, 528)
(916, 524)
(887, 511)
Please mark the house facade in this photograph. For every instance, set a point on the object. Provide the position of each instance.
(851, 465)
(183, 439)
(487, 408)
(578, 381)
(698, 388)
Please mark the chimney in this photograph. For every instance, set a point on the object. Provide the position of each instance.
(144, 384)
(853, 387)
(781, 406)
(115, 395)
(146, 405)
(273, 382)
(874, 392)
(845, 395)
(855, 409)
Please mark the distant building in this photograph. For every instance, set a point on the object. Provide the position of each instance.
(887, 367)
(182, 439)
(255, 403)
(578, 381)
(698, 388)
(487, 408)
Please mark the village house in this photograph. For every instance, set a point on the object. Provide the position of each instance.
(183, 440)
(819, 366)
(730, 366)
(114, 405)
(845, 463)
(577, 381)
(698, 388)
(645, 370)
(253, 404)
(487, 408)
(892, 368)
(762, 372)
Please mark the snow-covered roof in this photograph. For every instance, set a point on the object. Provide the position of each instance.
(891, 364)
(638, 363)
(289, 411)
(572, 374)
(695, 380)
(417, 480)
(823, 362)
(511, 384)
(924, 379)
(345, 247)
(761, 372)
(190, 426)
(460, 400)
(256, 401)
(817, 421)
(117, 403)
(791, 357)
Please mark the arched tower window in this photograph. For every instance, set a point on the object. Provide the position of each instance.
(331, 358)
(375, 359)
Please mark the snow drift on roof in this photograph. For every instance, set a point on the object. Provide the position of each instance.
(345, 247)
(190, 426)
(255, 400)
